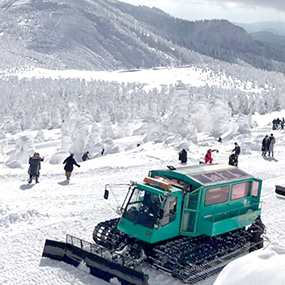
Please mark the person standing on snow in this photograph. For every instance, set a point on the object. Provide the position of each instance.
(271, 144)
(265, 145)
(236, 149)
(183, 156)
(85, 156)
(35, 166)
(208, 156)
(69, 162)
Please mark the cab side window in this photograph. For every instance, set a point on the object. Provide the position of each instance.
(217, 195)
(240, 190)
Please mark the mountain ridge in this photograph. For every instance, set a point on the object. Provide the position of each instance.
(109, 35)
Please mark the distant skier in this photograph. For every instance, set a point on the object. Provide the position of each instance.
(183, 156)
(208, 156)
(236, 150)
(271, 145)
(35, 166)
(220, 140)
(69, 162)
(233, 159)
(85, 156)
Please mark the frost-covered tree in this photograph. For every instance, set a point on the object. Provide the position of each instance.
(75, 130)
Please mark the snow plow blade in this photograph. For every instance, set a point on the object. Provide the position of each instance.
(75, 251)
(280, 190)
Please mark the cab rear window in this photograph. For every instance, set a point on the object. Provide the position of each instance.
(255, 188)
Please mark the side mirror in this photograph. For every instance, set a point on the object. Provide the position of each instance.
(160, 214)
(106, 194)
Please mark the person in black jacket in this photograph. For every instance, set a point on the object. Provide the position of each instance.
(265, 145)
(183, 156)
(85, 156)
(69, 162)
(35, 166)
(236, 150)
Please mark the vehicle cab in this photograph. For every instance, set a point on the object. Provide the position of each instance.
(152, 213)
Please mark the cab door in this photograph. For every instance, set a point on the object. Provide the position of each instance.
(190, 213)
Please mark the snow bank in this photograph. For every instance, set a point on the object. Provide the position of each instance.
(259, 267)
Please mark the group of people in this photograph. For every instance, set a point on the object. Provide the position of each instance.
(233, 159)
(278, 124)
(35, 160)
(268, 145)
(35, 165)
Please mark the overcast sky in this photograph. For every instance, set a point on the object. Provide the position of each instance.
(242, 11)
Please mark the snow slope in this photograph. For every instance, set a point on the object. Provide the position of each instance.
(29, 214)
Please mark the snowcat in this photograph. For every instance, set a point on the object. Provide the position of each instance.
(188, 222)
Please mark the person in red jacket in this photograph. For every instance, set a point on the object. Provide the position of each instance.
(208, 156)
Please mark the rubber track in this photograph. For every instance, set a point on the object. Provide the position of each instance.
(190, 259)
(195, 259)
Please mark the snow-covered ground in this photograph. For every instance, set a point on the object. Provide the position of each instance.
(191, 75)
(29, 214)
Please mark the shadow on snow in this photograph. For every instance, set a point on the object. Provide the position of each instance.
(26, 186)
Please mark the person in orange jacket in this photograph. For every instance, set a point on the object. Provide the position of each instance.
(208, 156)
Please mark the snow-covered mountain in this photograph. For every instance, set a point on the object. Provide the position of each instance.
(111, 35)
(81, 35)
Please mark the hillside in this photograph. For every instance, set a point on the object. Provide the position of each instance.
(108, 35)
(269, 38)
(276, 28)
(85, 35)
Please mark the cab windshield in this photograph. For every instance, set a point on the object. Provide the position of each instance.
(143, 208)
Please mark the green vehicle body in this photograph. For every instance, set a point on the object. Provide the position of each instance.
(207, 199)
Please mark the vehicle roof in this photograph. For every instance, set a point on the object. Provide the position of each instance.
(206, 174)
